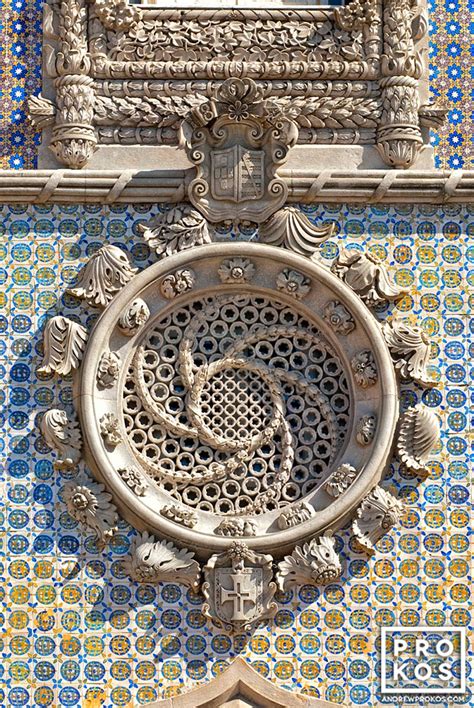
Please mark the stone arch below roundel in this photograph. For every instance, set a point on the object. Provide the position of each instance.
(240, 686)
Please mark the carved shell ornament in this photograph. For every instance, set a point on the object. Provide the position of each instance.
(239, 401)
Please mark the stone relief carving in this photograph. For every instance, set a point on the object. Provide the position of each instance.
(366, 429)
(294, 283)
(64, 342)
(238, 588)
(411, 350)
(134, 317)
(237, 143)
(292, 229)
(152, 561)
(103, 276)
(108, 369)
(235, 528)
(61, 432)
(418, 435)
(179, 515)
(367, 275)
(379, 511)
(338, 317)
(177, 229)
(89, 504)
(133, 479)
(177, 283)
(236, 270)
(110, 430)
(365, 369)
(340, 480)
(294, 515)
(316, 563)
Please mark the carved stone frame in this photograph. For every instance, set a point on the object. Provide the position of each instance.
(371, 101)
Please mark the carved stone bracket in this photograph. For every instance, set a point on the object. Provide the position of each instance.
(379, 511)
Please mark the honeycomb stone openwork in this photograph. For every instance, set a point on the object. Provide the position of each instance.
(237, 402)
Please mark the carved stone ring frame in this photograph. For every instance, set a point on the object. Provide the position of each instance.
(375, 397)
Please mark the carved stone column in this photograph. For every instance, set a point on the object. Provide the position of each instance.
(73, 138)
(399, 138)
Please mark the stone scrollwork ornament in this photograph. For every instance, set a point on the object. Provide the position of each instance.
(378, 512)
(64, 343)
(89, 504)
(62, 433)
(238, 588)
(152, 561)
(316, 563)
(418, 435)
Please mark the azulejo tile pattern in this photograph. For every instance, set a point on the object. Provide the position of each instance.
(75, 628)
(450, 67)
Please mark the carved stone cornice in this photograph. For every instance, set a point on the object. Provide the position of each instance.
(304, 186)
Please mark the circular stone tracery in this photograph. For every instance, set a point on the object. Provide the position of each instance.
(238, 400)
(235, 404)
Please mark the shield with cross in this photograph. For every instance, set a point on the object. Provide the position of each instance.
(238, 587)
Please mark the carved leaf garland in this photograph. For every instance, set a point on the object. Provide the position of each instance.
(176, 229)
(104, 275)
(418, 435)
(64, 343)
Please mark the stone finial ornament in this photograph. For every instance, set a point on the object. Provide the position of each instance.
(378, 512)
(290, 228)
(417, 436)
(152, 561)
(176, 229)
(316, 563)
(366, 275)
(411, 350)
(64, 344)
(89, 504)
(103, 276)
(62, 433)
(238, 588)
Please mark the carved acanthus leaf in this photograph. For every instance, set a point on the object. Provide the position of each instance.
(340, 480)
(176, 229)
(418, 435)
(152, 561)
(64, 342)
(378, 512)
(41, 111)
(290, 228)
(411, 350)
(317, 563)
(89, 504)
(103, 276)
(366, 275)
(62, 433)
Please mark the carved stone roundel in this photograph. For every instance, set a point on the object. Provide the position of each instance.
(236, 402)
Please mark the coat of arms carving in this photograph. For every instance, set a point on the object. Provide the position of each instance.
(237, 141)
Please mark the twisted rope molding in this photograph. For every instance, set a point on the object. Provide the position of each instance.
(135, 186)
